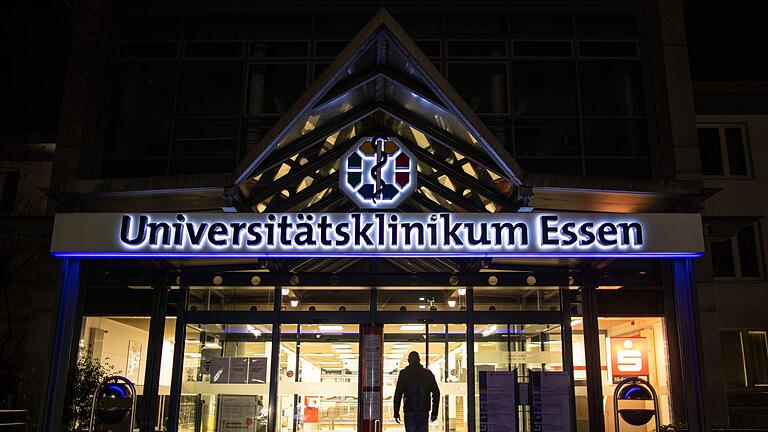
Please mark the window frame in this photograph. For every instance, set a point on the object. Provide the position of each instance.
(737, 255)
(13, 194)
(749, 375)
(726, 166)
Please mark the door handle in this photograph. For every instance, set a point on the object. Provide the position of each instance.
(377, 425)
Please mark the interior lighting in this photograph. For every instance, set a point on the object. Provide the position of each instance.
(412, 327)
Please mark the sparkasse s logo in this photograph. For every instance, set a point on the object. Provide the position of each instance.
(378, 173)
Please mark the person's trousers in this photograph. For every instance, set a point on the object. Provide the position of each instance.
(416, 421)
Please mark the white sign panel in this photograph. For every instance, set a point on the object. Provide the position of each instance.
(364, 234)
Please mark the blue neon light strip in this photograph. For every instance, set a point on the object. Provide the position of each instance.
(377, 255)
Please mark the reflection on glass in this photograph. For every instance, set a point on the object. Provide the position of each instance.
(318, 372)
(225, 378)
(520, 347)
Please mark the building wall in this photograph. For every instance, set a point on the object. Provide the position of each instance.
(734, 304)
(85, 126)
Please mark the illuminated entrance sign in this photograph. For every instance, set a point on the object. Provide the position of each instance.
(377, 234)
(629, 357)
(378, 173)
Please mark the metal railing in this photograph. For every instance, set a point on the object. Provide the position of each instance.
(14, 420)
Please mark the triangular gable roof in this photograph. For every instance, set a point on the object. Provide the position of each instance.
(425, 82)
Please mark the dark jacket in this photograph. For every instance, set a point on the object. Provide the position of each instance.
(417, 383)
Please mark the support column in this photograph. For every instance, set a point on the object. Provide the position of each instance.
(592, 353)
(68, 286)
(154, 359)
(178, 359)
(471, 418)
(687, 307)
(566, 336)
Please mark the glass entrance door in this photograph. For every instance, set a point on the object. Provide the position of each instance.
(318, 370)
(443, 350)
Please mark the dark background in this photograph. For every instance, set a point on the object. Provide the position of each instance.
(727, 42)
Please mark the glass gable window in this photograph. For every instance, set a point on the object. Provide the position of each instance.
(562, 91)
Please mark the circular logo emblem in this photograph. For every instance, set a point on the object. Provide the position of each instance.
(378, 172)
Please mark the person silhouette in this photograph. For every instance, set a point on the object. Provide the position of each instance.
(418, 386)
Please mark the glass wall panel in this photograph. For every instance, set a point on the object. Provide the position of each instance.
(225, 378)
(517, 299)
(231, 299)
(120, 345)
(318, 372)
(325, 299)
(422, 299)
(399, 341)
(516, 347)
(447, 359)
(634, 347)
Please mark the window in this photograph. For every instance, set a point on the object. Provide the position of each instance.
(563, 91)
(732, 351)
(225, 376)
(9, 185)
(745, 357)
(733, 249)
(483, 86)
(723, 150)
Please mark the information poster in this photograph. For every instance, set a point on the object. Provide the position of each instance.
(498, 401)
(238, 370)
(219, 369)
(372, 357)
(257, 370)
(550, 402)
(556, 405)
(373, 405)
(237, 413)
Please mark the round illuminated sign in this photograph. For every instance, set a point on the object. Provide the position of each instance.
(378, 173)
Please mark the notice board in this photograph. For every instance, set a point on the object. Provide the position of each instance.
(550, 401)
(498, 401)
